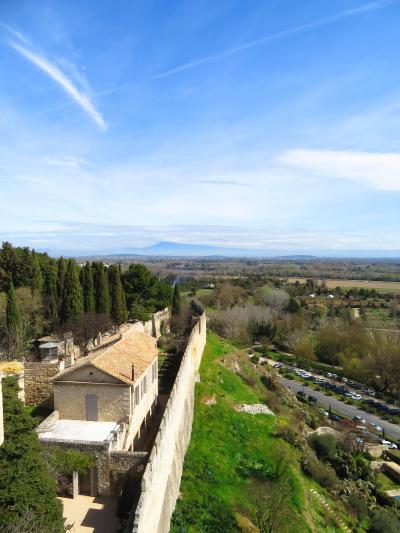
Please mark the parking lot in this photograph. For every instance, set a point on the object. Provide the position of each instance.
(337, 405)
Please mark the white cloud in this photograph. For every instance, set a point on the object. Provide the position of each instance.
(81, 97)
(378, 170)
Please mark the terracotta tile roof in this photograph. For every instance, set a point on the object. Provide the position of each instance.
(134, 349)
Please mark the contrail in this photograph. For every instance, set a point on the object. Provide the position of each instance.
(371, 6)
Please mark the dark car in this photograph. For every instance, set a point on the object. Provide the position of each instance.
(301, 394)
(335, 418)
(312, 399)
(394, 412)
(369, 402)
(382, 407)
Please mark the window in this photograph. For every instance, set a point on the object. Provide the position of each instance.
(154, 371)
(137, 399)
(145, 384)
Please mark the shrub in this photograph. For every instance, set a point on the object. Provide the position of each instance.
(290, 435)
(358, 505)
(319, 472)
(325, 446)
(383, 521)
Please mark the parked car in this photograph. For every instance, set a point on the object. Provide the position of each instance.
(359, 419)
(370, 402)
(277, 365)
(301, 394)
(335, 418)
(382, 407)
(329, 375)
(345, 380)
(377, 427)
(394, 412)
(312, 399)
(357, 397)
(371, 392)
(391, 445)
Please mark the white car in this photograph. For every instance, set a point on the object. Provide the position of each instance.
(391, 445)
(357, 397)
(377, 427)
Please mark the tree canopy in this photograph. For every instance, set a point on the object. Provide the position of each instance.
(26, 487)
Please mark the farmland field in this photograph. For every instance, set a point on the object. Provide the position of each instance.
(388, 286)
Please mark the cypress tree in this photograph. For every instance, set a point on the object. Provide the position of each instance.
(119, 312)
(12, 314)
(50, 290)
(36, 283)
(101, 289)
(176, 301)
(62, 267)
(88, 289)
(72, 298)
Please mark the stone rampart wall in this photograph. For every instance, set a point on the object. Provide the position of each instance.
(162, 475)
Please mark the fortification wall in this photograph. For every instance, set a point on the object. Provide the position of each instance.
(158, 321)
(162, 475)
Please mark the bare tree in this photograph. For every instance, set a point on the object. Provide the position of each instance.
(272, 505)
(85, 328)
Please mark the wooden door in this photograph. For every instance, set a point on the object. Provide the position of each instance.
(91, 407)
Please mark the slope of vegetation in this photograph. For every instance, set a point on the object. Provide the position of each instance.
(238, 474)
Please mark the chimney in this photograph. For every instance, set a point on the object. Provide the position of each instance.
(133, 373)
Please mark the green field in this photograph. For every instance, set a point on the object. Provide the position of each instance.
(380, 286)
(229, 449)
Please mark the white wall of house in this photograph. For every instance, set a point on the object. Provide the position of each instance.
(144, 396)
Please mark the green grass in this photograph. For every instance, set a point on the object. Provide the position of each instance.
(229, 449)
(386, 483)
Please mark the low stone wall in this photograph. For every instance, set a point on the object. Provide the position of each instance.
(162, 475)
(37, 385)
(110, 465)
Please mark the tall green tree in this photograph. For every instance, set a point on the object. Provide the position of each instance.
(37, 278)
(176, 300)
(8, 264)
(145, 292)
(119, 312)
(101, 289)
(88, 289)
(61, 270)
(50, 298)
(12, 313)
(27, 491)
(72, 298)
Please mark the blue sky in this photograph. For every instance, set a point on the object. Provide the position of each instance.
(263, 124)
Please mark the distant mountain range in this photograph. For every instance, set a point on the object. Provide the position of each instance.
(177, 249)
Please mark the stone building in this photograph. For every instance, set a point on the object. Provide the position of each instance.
(102, 402)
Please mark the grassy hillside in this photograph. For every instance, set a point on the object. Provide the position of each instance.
(235, 463)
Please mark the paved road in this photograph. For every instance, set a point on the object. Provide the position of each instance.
(392, 430)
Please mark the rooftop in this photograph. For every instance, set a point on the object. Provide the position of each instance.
(78, 431)
(134, 349)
